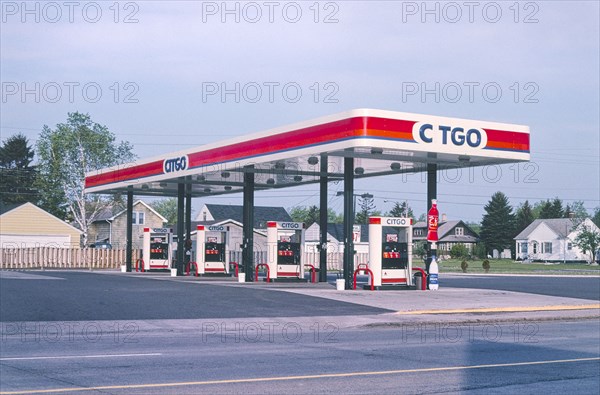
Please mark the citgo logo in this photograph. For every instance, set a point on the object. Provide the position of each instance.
(175, 164)
(395, 221)
(290, 225)
(216, 228)
(430, 133)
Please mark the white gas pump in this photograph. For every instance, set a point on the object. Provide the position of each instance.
(285, 251)
(390, 252)
(156, 248)
(211, 250)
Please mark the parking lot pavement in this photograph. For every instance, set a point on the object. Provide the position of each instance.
(81, 296)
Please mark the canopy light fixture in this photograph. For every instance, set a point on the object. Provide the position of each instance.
(395, 166)
(313, 160)
(225, 174)
(376, 151)
(270, 181)
(359, 171)
(297, 178)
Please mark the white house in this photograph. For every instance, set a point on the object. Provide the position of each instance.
(552, 240)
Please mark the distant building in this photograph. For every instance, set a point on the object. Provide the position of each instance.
(26, 225)
(213, 213)
(335, 238)
(450, 233)
(552, 240)
(112, 227)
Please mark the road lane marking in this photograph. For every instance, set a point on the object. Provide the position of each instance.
(503, 309)
(306, 377)
(80, 356)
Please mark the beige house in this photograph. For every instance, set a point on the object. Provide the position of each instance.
(27, 225)
(112, 228)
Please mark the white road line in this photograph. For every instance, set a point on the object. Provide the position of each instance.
(81, 356)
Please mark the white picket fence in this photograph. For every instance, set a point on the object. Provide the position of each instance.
(62, 258)
(75, 258)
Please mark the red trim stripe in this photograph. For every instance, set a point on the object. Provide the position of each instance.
(288, 274)
(211, 269)
(393, 280)
(374, 127)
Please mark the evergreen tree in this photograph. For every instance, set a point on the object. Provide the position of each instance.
(524, 217)
(596, 217)
(498, 224)
(551, 209)
(401, 209)
(17, 175)
(367, 206)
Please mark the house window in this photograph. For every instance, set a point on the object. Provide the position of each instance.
(459, 231)
(204, 216)
(523, 248)
(418, 232)
(569, 246)
(535, 247)
(138, 218)
(547, 248)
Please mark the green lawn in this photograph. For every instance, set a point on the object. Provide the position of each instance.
(510, 266)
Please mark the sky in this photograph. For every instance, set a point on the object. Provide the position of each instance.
(171, 75)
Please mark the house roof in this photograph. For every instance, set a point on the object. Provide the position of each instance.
(108, 214)
(337, 231)
(561, 226)
(222, 212)
(445, 233)
(43, 212)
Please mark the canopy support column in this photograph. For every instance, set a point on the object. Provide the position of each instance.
(323, 221)
(248, 223)
(348, 221)
(431, 194)
(180, 226)
(129, 229)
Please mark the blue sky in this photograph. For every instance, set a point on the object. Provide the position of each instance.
(538, 61)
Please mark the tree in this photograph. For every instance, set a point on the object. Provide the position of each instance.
(596, 216)
(366, 209)
(576, 211)
(497, 226)
(66, 154)
(401, 210)
(550, 209)
(524, 217)
(588, 240)
(167, 208)
(311, 214)
(17, 175)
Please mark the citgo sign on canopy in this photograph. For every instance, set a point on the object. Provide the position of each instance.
(172, 165)
(460, 136)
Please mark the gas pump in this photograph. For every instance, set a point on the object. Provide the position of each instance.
(156, 248)
(211, 250)
(285, 251)
(390, 252)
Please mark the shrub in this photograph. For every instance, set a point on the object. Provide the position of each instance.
(486, 265)
(464, 265)
(459, 251)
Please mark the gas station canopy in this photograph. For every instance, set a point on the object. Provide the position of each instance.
(381, 143)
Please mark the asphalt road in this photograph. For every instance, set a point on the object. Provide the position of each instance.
(81, 296)
(225, 358)
(587, 287)
(104, 333)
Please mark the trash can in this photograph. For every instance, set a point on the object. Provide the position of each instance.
(418, 279)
